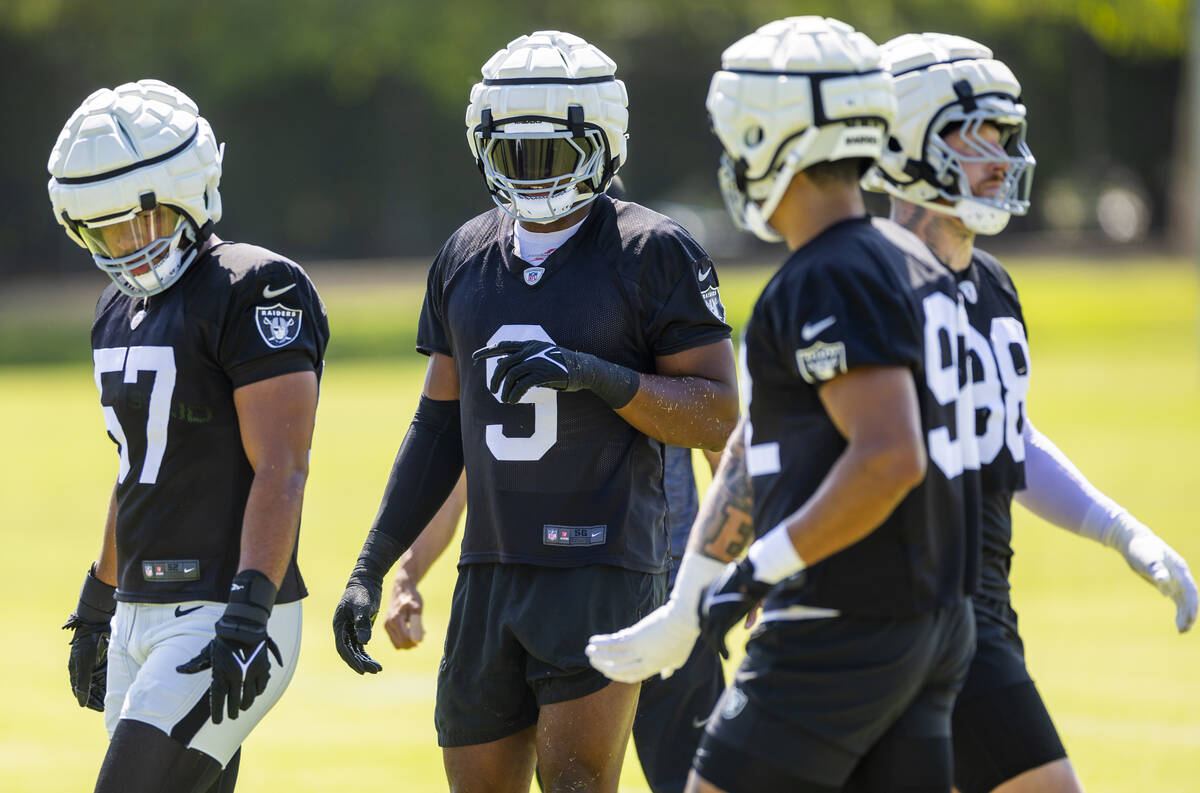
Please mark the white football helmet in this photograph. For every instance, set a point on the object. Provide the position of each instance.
(796, 92)
(547, 125)
(949, 83)
(124, 155)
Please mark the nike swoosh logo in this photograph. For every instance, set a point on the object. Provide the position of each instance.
(270, 293)
(180, 610)
(811, 329)
(703, 275)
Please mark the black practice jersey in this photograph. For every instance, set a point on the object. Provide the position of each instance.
(166, 368)
(560, 479)
(1000, 364)
(865, 293)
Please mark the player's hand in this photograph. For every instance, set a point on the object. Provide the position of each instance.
(403, 623)
(729, 600)
(526, 365)
(87, 663)
(352, 620)
(661, 642)
(240, 665)
(238, 653)
(1158, 563)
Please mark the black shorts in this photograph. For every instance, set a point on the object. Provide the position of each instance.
(670, 718)
(516, 640)
(1001, 726)
(842, 703)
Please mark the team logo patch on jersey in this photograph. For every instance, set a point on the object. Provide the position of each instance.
(533, 274)
(821, 361)
(278, 325)
(712, 299)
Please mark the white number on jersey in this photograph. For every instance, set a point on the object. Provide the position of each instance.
(999, 368)
(131, 361)
(544, 401)
(945, 323)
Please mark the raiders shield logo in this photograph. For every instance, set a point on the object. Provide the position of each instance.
(278, 325)
(712, 299)
(533, 274)
(821, 362)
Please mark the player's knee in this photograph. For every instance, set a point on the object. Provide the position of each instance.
(577, 775)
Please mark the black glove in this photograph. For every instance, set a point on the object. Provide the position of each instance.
(88, 662)
(727, 602)
(355, 612)
(527, 364)
(237, 655)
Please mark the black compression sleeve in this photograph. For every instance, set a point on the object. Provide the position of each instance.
(426, 469)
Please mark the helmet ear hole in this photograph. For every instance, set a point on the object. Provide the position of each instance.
(753, 136)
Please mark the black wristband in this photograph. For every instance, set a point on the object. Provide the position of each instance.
(96, 599)
(615, 384)
(379, 553)
(251, 597)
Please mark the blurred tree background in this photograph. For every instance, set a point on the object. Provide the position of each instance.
(344, 120)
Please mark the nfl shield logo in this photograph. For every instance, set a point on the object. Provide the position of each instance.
(278, 325)
(533, 274)
(712, 299)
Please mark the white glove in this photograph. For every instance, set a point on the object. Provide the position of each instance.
(1158, 563)
(662, 641)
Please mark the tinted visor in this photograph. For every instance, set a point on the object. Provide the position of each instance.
(115, 240)
(538, 159)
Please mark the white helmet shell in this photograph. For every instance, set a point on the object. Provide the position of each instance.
(944, 80)
(128, 149)
(796, 92)
(549, 86)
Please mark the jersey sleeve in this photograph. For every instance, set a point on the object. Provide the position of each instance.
(681, 292)
(837, 317)
(275, 325)
(431, 327)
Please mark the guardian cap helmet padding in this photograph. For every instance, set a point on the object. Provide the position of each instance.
(949, 83)
(796, 92)
(547, 125)
(123, 153)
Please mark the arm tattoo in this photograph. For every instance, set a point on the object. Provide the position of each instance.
(724, 527)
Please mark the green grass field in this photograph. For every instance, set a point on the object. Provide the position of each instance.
(1116, 384)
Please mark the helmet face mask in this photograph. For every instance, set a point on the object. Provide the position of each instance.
(983, 214)
(539, 173)
(752, 202)
(143, 253)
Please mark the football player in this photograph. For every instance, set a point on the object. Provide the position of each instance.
(672, 710)
(207, 359)
(961, 167)
(852, 465)
(570, 337)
